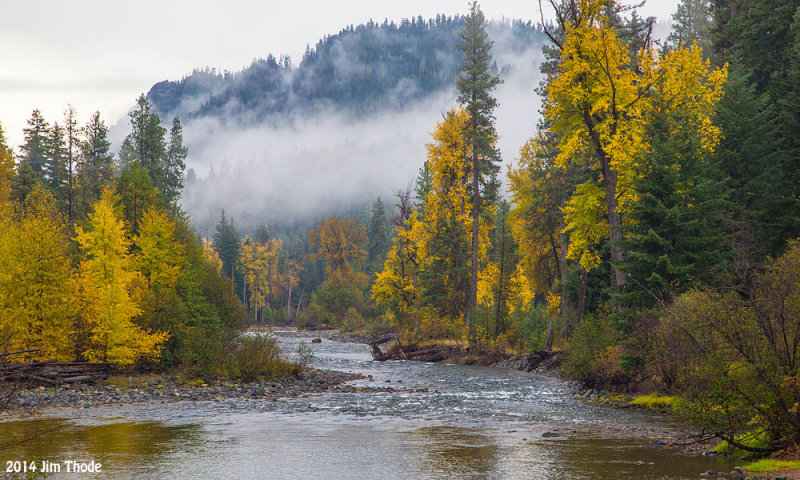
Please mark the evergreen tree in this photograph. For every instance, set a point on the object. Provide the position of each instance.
(137, 193)
(175, 164)
(55, 167)
(145, 144)
(227, 244)
(674, 239)
(475, 84)
(71, 157)
(23, 182)
(34, 148)
(691, 24)
(378, 237)
(96, 166)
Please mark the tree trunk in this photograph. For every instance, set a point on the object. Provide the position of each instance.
(472, 302)
(582, 295)
(289, 302)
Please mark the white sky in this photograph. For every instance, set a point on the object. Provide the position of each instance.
(101, 54)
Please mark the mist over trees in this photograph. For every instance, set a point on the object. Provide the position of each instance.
(360, 70)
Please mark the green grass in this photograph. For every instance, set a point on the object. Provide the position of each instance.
(750, 439)
(770, 465)
(655, 401)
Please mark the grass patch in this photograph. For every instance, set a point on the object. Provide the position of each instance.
(749, 439)
(655, 401)
(770, 465)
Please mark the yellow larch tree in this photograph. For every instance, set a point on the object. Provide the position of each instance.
(159, 259)
(37, 307)
(105, 281)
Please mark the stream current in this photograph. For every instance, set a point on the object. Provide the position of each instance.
(441, 422)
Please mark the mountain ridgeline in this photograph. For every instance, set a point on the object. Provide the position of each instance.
(361, 69)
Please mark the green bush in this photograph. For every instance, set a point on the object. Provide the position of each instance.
(594, 356)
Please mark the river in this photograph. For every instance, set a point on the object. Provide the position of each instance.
(441, 422)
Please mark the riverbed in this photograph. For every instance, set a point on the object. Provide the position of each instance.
(438, 422)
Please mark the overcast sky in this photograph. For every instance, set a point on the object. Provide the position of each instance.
(101, 54)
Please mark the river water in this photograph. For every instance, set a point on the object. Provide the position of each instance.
(441, 422)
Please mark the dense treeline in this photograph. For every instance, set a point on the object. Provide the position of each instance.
(360, 69)
(97, 261)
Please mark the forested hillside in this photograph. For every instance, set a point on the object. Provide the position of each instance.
(359, 70)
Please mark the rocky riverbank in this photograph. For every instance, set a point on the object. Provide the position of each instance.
(167, 389)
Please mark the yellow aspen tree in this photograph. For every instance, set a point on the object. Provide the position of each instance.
(599, 103)
(260, 264)
(105, 280)
(341, 244)
(37, 307)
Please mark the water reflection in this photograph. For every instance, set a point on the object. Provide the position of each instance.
(449, 452)
(118, 445)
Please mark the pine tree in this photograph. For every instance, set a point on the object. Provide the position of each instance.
(378, 237)
(175, 164)
(71, 158)
(34, 148)
(475, 84)
(145, 145)
(96, 166)
(691, 24)
(55, 167)
(137, 193)
(674, 238)
(227, 244)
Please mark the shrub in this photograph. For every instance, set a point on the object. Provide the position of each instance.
(258, 357)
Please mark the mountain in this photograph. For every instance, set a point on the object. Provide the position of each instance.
(285, 145)
(358, 70)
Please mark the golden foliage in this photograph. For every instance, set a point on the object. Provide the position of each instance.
(105, 280)
(37, 305)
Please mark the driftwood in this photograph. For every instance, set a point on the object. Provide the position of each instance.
(51, 372)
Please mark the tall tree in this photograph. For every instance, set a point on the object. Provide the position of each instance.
(175, 164)
(691, 24)
(446, 220)
(71, 133)
(145, 144)
(55, 167)
(96, 167)
(34, 148)
(227, 244)
(378, 237)
(475, 83)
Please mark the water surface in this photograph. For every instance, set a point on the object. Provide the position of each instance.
(469, 422)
